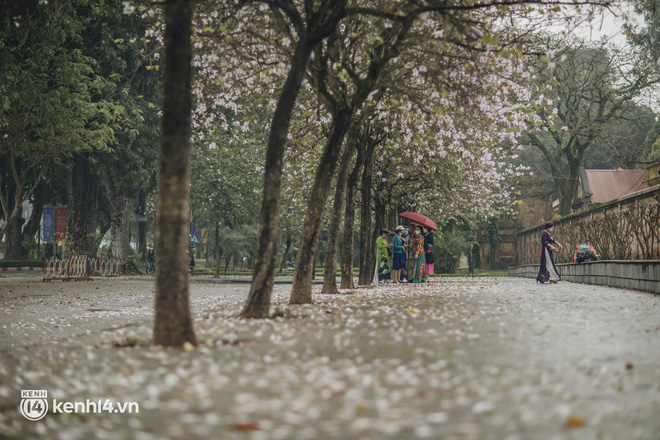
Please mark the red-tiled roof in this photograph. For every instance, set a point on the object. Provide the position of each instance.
(607, 185)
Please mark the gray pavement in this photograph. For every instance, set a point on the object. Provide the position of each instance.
(458, 359)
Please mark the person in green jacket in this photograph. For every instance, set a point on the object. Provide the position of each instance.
(383, 263)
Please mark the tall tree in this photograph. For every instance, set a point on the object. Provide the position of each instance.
(173, 323)
(132, 87)
(50, 110)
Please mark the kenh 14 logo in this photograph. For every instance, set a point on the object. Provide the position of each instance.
(34, 404)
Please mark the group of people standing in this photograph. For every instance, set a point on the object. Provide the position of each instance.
(409, 255)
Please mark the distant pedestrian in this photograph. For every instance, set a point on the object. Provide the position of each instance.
(548, 270)
(192, 264)
(383, 264)
(419, 257)
(151, 261)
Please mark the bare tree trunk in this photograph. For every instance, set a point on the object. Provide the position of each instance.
(258, 301)
(173, 323)
(301, 292)
(330, 275)
(367, 263)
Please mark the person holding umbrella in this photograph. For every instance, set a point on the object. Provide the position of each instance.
(425, 222)
(419, 256)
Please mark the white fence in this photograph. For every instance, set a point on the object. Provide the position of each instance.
(80, 267)
(105, 268)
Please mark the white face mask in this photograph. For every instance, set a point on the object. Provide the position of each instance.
(551, 229)
(416, 232)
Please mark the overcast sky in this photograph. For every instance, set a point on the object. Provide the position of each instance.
(604, 25)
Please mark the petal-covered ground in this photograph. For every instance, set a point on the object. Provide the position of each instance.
(456, 359)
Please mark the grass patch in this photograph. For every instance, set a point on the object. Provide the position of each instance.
(21, 263)
(463, 272)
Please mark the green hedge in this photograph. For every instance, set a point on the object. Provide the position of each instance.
(21, 263)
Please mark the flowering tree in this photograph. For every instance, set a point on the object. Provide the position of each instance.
(248, 48)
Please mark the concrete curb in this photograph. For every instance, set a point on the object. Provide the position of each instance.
(22, 269)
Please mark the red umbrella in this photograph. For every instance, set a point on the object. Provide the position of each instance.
(419, 219)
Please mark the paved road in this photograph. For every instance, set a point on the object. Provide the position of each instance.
(34, 312)
(460, 359)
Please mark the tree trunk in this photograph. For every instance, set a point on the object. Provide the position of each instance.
(301, 292)
(330, 275)
(76, 218)
(568, 188)
(92, 201)
(120, 221)
(349, 225)
(173, 324)
(14, 239)
(258, 301)
(366, 239)
(379, 216)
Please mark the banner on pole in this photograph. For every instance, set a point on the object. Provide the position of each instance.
(60, 235)
(48, 230)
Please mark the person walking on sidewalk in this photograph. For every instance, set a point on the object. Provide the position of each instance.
(547, 270)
